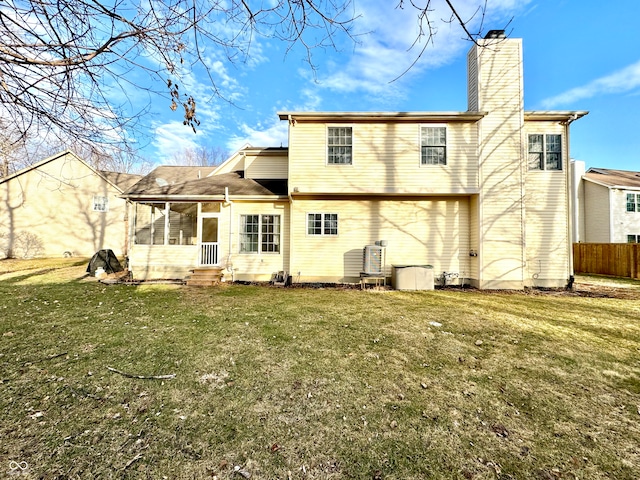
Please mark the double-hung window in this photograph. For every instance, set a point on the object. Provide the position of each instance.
(433, 145)
(633, 202)
(259, 233)
(545, 152)
(339, 146)
(322, 223)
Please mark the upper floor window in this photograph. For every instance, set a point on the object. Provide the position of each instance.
(339, 146)
(633, 202)
(322, 223)
(433, 146)
(545, 152)
(259, 233)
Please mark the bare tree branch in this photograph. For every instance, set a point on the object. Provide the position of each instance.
(64, 62)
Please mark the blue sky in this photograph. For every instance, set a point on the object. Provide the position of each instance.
(578, 55)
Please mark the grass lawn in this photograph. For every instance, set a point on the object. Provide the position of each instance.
(275, 383)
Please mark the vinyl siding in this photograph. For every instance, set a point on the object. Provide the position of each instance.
(419, 231)
(148, 262)
(386, 159)
(597, 224)
(546, 218)
(266, 167)
(472, 86)
(54, 202)
(255, 266)
(501, 162)
(474, 236)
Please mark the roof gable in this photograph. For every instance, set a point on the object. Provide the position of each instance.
(109, 177)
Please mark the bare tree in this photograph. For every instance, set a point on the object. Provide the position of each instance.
(200, 157)
(11, 148)
(63, 62)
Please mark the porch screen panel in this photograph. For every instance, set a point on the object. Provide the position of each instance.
(150, 223)
(183, 218)
(159, 224)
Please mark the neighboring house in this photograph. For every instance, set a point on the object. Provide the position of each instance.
(63, 206)
(481, 194)
(608, 205)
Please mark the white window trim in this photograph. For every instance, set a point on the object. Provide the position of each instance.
(259, 252)
(637, 202)
(544, 153)
(326, 150)
(446, 145)
(321, 234)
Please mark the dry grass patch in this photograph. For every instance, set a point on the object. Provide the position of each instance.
(317, 384)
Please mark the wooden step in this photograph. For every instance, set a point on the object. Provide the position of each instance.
(205, 277)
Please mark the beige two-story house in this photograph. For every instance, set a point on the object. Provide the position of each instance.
(482, 195)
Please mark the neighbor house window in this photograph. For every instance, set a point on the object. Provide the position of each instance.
(545, 152)
(322, 223)
(433, 146)
(633, 202)
(100, 203)
(339, 146)
(633, 238)
(259, 233)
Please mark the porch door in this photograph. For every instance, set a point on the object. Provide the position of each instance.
(208, 240)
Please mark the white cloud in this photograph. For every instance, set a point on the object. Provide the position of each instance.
(172, 138)
(274, 134)
(395, 42)
(621, 81)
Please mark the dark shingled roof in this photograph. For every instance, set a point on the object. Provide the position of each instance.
(183, 181)
(614, 178)
(123, 181)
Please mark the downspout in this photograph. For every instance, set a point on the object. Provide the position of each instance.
(291, 273)
(228, 201)
(569, 189)
(127, 229)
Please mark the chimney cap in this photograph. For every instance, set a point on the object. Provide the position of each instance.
(495, 34)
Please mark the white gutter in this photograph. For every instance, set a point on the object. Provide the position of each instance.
(200, 198)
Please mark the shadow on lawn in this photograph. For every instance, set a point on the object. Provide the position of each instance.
(19, 275)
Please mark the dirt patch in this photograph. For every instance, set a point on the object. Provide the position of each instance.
(592, 290)
(604, 291)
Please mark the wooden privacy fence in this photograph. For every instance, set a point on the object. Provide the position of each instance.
(616, 259)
